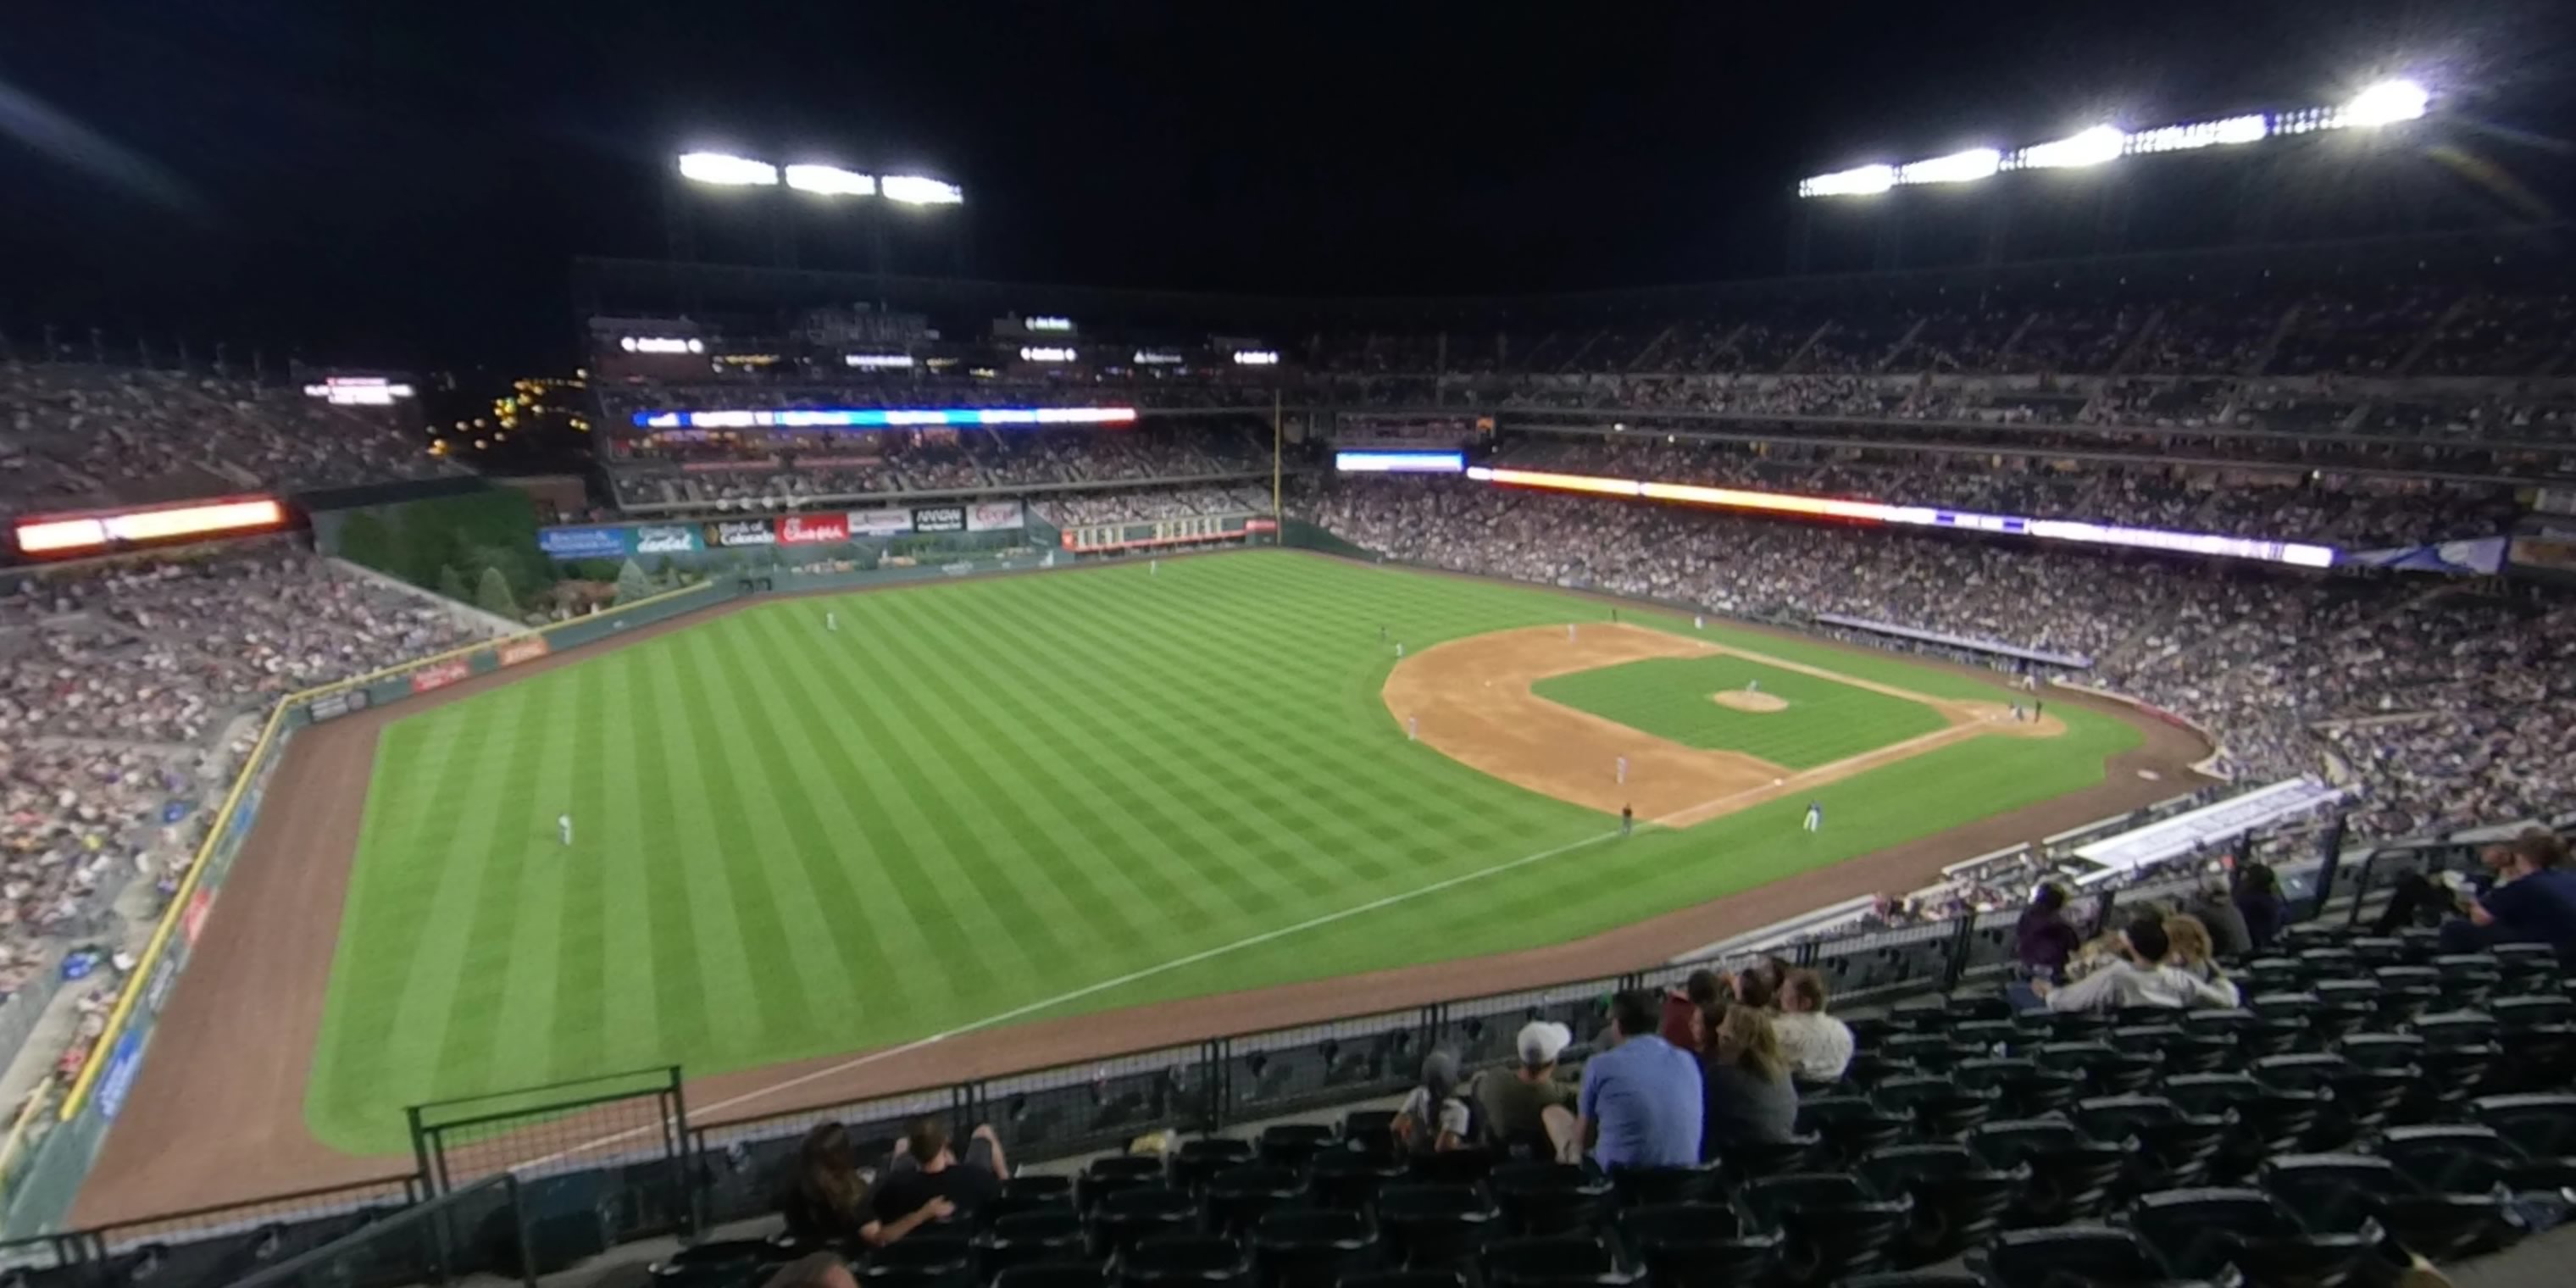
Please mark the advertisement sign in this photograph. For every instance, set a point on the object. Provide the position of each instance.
(813, 529)
(884, 521)
(1261, 525)
(670, 540)
(939, 518)
(332, 706)
(582, 543)
(164, 974)
(993, 516)
(524, 649)
(439, 676)
(121, 1065)
(742, 532)
(192, 923)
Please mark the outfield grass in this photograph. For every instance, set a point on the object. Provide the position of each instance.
(1672, 697)
(982, 796)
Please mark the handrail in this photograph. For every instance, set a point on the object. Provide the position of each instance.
(136, 979)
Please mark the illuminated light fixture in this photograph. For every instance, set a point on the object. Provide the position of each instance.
(1400, 462)
(358, 391)
(2226, 132)
(882, 417)
(1050, 324)
(660, 344)
(727, 169)
(878, 361)
(2096, 146)
(1256, 357)
(1859, 182)
(1156, 358)
(914, 190)
(1045, 353)
(831, 181)
(1958, 167)
(64, 536)
(2387, 103)
(2076, 530)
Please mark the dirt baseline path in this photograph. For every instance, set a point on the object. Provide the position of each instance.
(1471, 700)
(217, 1114)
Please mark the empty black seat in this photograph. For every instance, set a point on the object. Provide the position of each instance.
(2070, 1173)
(1166, 1261)
(1128, 1217)
(1850, 1126)
(1404, 1279)
(1434, 1226)
(2360, 1099)
(1370, 1131)
(1115, 1174)
(1349, 1178)
(1914, 1279)
(1451, 1167)
(2023, 1088)
(2543, 1126)
(1752, 1159)
(2340, 1193)
(1031, 1238)
(2106, 1070)
(2181, 1049)
(1197, 1160)
(1053, 1274)
(1549, 1198)
(1700, 1245)
(1939, 1108)
(940, 1259)
(1311, 1247)
(1656, 1186)
(1239, 1196)
(2176, 1148)
(1555, 1261)
(2203, 1232)
(2269, 1119)
(1958, 1199)
(1293, 1144)
(2458, 1158)
(2096, 1256)
(1836, 1225)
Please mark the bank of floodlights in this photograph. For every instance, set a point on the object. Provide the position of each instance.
(2386, 103)
(726, 170)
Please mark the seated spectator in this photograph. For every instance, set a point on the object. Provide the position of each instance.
(2189, 951)
(2418, 899)
(2258, 896)
(1817, 1046)
(2140, 977)
(1526, 1111)
(1640, 1104)
(1434, 1117)
(2533, 902)
(827, 1200)
(2044, 939)
(2221, 918)
(1682, 1007)
(925, 1170)
(1758, 985)
(1748, 1098)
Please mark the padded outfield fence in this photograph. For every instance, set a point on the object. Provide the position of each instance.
(552, 1176)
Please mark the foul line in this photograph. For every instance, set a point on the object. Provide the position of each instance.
(1032, 1008)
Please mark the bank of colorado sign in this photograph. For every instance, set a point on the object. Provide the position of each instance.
(742, 532)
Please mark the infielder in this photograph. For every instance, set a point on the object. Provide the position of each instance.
(1569, 632)
(1753, 686)
(1399, 650)
(1413, 728)
(1627, 820)
(1699, 621)
(563, 828)
(1815, 816)
(1623, 769)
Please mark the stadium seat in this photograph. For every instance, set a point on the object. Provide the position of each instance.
(1958, 1199)
(927, 1259)
(1310, 1248)
(1751, 1160)
(1240, 1196)
(1029, 1194)
(1847, 1127)
(2467, 980)
(1434, 1226)
(1467, 1166)
(2269, 1119)
(2358, 1099)
(2106, 1070)
(1656, 1186)
(2205, 1232)
(1294, 1144)
(2096, 1256)
(1031, 1238)
(2543, 1126)
(2527, 965)
(1053, 1274)
(1937, 1108)
(2024, 1089)
(1349, 1179)
(1370, 1131)
(2341, 1193)
(1405, 1279)
(2175, 1148)
(2459, 1158)
(2071, 1174)
(1700, 1245)
(1555, 1261)
(1914, 1279)
(1549, 1198)
(1197, 1160)
(1127, 1217)
(2179, 1050)
(2402, 1054)
(1167, 1260)
(1836, 1225)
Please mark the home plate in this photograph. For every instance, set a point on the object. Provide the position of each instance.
(2150, 775)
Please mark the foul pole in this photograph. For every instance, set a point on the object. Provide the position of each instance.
(1275, 515)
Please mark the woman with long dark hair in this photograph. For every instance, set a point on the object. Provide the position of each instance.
(2258, 896)
(827, 1200)
(2044, 939)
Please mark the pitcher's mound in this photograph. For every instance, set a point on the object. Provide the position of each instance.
(1744, 701)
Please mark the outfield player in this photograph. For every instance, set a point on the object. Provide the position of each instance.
(1815, 816)
(832, 622)
(563, 828)
(1627, 820)
(1699, 621)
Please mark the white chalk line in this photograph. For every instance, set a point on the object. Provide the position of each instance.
(1018, 1012)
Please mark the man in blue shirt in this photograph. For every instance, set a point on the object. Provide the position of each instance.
(1641, 1101)
(2534, 901)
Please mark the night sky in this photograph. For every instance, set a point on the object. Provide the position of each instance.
(406, 184)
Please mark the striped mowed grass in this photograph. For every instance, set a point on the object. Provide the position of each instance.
(1020, 797)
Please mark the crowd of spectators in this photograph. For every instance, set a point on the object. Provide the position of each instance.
(77, 435)
(790, 470)
(120, 693)
(1139, 504)
(2439, 706)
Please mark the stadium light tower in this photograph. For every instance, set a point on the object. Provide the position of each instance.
(814, 179)
(727, 170)
(2387, 103)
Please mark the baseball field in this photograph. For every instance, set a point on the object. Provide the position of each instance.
(979, 803)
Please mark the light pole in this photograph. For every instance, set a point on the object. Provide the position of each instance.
(831, 182)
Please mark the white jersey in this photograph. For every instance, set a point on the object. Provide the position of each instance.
(563, 824)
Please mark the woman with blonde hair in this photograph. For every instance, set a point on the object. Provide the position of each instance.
(1747, 1095)
(2190, 949)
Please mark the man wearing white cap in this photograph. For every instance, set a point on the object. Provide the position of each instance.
(1527, 1111)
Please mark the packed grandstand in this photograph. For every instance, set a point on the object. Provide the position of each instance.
(2360, 414)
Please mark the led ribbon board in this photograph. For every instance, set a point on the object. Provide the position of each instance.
(1400, 462)
(2075, 530)
(77, 534)
(883, 417)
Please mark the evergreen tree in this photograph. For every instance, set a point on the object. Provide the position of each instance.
(493, 595)
(451, 583)
(632, 585)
